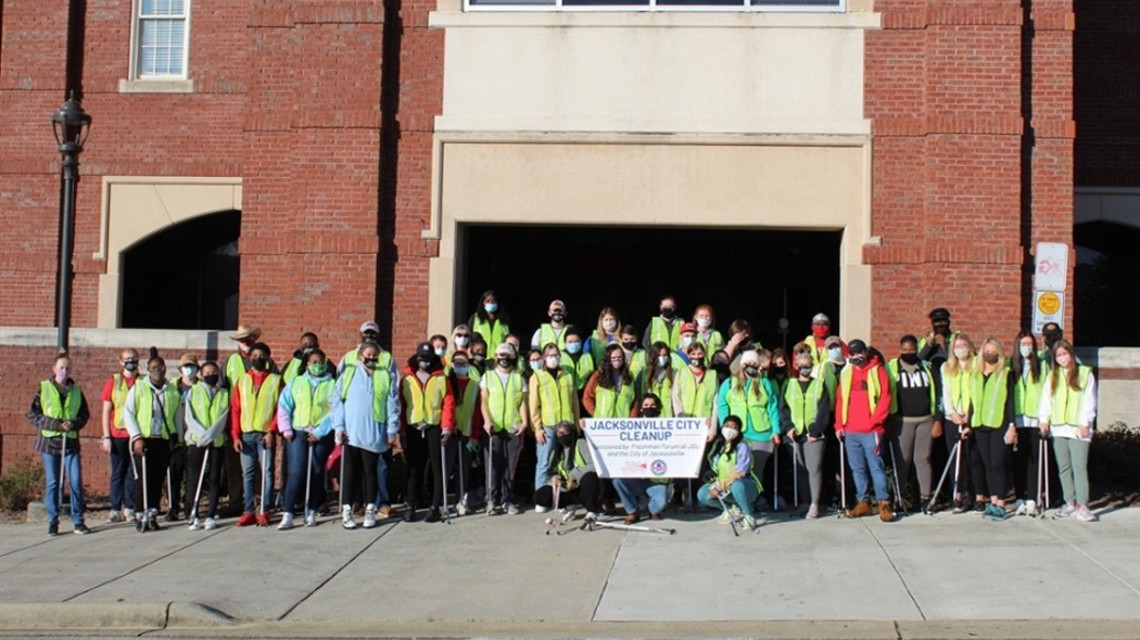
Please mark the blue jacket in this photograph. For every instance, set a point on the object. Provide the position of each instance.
(285, 407)
(353, 414)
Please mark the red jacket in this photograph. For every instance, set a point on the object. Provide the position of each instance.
(861, 417)
(235, 405)
(446, 412)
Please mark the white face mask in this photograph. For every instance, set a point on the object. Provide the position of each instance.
(704, 323)
(189, 371)
(552, 362)
(730, 434)
(609, 324)
(461, 341)
(439, 351)
(961, 352)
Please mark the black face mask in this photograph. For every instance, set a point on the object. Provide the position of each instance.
(131, 366)
(668, 313)
(629, 346)
(858, 361)
(557, 317)
(259, 364)
(478, 358)
(566, 440)
(909, 358)
(425, 364)
(650, 412)
(505, 363)
(805, 371)
(212, 379)
(370, 363)
(697, 364)
(752, 372)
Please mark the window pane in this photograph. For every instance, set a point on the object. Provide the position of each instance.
(161, 47)
(162, 8)
(511, 2)
(595, 3)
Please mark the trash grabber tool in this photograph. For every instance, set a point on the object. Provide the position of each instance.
(776, 478)
(556, 518)
(1045, 478)
(145, 492)
(198, 490)
(795, 474)
(443, 480)
(597, 524)
(62, 466)
(895, 453)
(308, 478)
(942, 479)
(264, 472)
(340, 493)
(843, 475)
(731, 519)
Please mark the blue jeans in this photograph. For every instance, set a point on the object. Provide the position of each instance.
(542, 457)
(743, 492)
(122, 480)
(74, 480)
(383, 499)
(298, 458)
(863, 456)
(252, 444)
(630, 491)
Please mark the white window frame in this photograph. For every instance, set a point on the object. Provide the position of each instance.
(651, 5)
(177, 81)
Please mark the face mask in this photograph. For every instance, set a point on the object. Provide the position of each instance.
(961, 352)
(557, 317)
(212, 379)
(478, 358)
(439, 351)
(662, 361)
(131, 365)
(461, 370)
(909, 358)
(1025, 350)
(573, 347)
(751, 371)
(609, 325)
(566, 440)
(370, 363)
(318, 369)
(490, 307)
(536, 365)
(805, 371)
(552, 362)
(158, 377)
(835, 353)
(704, 323)
(858, 361)
(189, 371)
(461, 341)
(424, 364)
(245, 348)
(629, 346)
(820, 330)
(62, 375)
(617, 365)
(990, 358)
(696, 363)
(730, 434)
(1063, 360)
(650, 412)
(306, 350)
(686, 341)
(503, 363)
(259, 364)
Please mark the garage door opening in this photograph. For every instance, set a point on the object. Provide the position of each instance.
(758, 275)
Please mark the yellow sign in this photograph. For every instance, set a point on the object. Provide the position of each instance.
(1049, 303)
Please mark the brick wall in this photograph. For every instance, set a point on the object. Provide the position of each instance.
(961, 191)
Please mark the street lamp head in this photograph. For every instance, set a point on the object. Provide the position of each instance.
(71, 124)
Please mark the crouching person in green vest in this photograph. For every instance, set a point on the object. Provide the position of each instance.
(206, 412)
(58, 412)
(153, 421)
(572, 474)
(734, 482)
(305, 422)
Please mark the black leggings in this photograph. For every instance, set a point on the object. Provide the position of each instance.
(587, 493)
(156, 451)
(1025, 461)
(195, 456)
(359, 462)
(988, 459)
(422, 455)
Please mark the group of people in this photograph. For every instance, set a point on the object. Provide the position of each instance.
(461, 409)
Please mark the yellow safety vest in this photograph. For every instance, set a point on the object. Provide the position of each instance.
(726, 464)
(235, 369)
(714, 342)
(55, 407)
(697, 400)
(1067, 406)
(637, 362)
(803, 405)
(383, 363)
(873, 389)
(310, 404)
(258, 407)
(960, 387)
(208, 410)
(663, 389)
(555, 397)
(546, 335)
(144, 409)
(1027, 393)
(753, 409)
(293, 369)
(818, 353)
(990, 395)
(658, 332)
(493, 332)
(119, 391)
(465, 408)
(424, 402)
(503, 401)
(611, 404)
(581, 370)
(579, 462)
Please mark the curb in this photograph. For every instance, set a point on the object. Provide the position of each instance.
(118, 615)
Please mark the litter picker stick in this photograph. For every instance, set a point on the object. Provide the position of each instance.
(169, 490)
(942, 479)
(843, 474)
(896, 451)
(556, 518)
(308, 477)
(198, 491)
(462, 481)
(443, 479)
(340, 493)
(1045, 477)
(597, 524)
(145, 491)
(776, 478)
(62, 465)
(264, 471)
(731, 519)
(795, 473)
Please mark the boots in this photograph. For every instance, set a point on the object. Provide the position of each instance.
(885, 513)
(863, 508)
(346, 517)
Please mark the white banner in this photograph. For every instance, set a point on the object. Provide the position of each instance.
(647, 447)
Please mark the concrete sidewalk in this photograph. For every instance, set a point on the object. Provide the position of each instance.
(924, 576)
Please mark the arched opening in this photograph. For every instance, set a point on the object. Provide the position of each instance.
(184, 276)
(1106, 285)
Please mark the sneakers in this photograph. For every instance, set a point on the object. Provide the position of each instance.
(885, 513)
(981, 507)
(140, 522)
(812, 512)
(863, 508)
(152, 520)
(1030, 507)
(512, 509)
(725, 517)
(247, 519)
(53, 529)
(310, 518)
(566, 514)
(409, 514)
(432, 515)
(195, 524)
(994, 512)
(632, 518)
(115, 517)
(1019, 508)
(461, 509)
(346, 520)
(733, 513)
(286, 521)
(1082, 513)
(538, 508)
(128, 515)
(959, 507)
(370, 516)
(263, 519)
(749, 522)
(171, 515)
(1067, 510)
(211, 524)
(591, 516)
(383, 513)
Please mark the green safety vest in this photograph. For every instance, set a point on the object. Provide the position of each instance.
(663, 389)
(893, 370)
(611, 404)
(119, 391)
(753, 409)
(465, 408)
(503, 401)
(714, 343)
(546, 335)
(1067, 406)
(310, 404)
(258, 407)
(726, 464)
(826, 371)
(581, 370)
(383, 363)
(555, 397)
(381, 387)
(55, 407)
(235, 369)
(598, 346)
(803, 405)
(1027, 393)
(697, 399)
(818, 354)
(424, 401)
(493, 332)
(637, 362)
(208, 410)
(671, 336)
(960, 386)
(990, 397)
(579, 461)
(144, 409)
(873, 389)
(293, 369)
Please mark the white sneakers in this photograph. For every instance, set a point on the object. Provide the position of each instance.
(346, 520)
(211, 524)
(540, 509)
(195, 524)
(369, 516)
(286, 522)
(310, 518)
(512, 509)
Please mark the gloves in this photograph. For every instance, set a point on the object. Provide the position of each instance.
(473, 445)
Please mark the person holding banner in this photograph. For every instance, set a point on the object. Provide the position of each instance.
(753, 399)
(58, 411)
(572, 474)
(610, 392)
(734, 483)
(655, 490)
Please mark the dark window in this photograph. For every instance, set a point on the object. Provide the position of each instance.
(1106, 285)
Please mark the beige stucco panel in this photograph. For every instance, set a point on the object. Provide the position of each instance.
(741, 79)
(707, 185)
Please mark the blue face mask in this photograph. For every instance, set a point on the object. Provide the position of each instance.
(491, 307)
(536, 365)
(573, 347)
(835, 353)
(461, 370)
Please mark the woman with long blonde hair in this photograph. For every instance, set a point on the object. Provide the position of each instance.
(992, 428)
(957, 386)
(753, 398)
(1068, 407)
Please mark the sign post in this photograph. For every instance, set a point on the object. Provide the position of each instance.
(1049, 277)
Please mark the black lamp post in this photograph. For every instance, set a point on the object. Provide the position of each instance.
(71, 126)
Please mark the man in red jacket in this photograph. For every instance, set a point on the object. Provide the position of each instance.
(862, 404)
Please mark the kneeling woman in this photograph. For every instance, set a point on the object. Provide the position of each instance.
(572, 474)
(735, 483)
